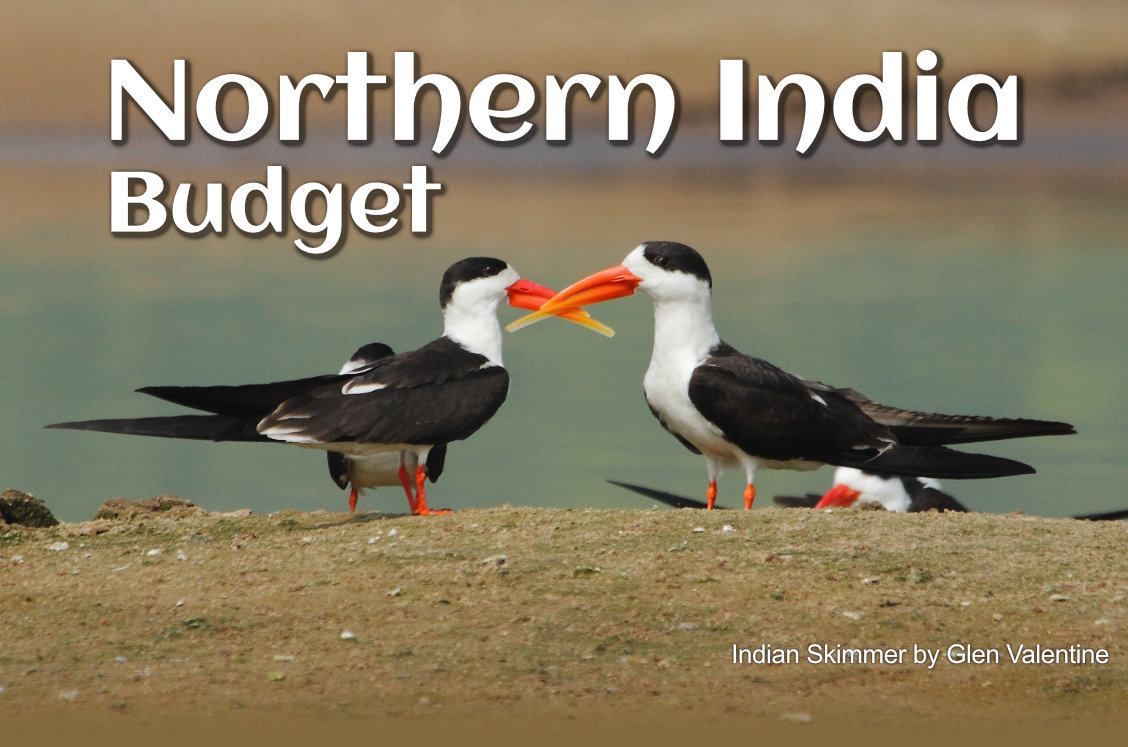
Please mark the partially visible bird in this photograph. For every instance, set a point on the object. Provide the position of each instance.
(853, 487)
(897, 493)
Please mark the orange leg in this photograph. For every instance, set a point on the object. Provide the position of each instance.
(421, 495)
(352, 500)
(749, 495)
(405, 481)
(711, 494)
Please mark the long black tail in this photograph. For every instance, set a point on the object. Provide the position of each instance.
(939, 462)
(914, 428)
(198, 427)
(674, 501)
(246, 400)
(259, 400)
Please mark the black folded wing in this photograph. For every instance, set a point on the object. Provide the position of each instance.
(436, 394)
(772, 414)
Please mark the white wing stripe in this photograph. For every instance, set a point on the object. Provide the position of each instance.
(351, 388)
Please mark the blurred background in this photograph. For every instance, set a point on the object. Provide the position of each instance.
(956, 278)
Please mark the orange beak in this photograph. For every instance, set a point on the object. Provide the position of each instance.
(525, 294)
(614, 282)
(839, 496)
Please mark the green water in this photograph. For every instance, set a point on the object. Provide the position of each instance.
(1034, 333)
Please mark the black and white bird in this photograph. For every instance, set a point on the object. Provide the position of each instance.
(903, 494)
(742, 412)
(382, 468)
(408, 405)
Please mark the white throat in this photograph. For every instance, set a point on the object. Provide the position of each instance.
(475, 327)
(683, 330)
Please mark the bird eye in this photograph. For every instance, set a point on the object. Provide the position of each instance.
(661, 261)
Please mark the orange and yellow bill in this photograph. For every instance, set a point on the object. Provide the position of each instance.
(525, 294)
(614, 282)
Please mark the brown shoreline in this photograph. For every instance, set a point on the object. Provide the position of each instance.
(563, 616)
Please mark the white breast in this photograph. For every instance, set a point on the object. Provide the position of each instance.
(666, 386)
(683, 337)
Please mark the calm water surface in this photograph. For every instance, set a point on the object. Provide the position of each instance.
(990, 329)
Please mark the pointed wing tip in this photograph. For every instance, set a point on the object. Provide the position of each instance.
(1055, 428)
(674, 501)
(941, 463)
(1104, 516)
(73, 426)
